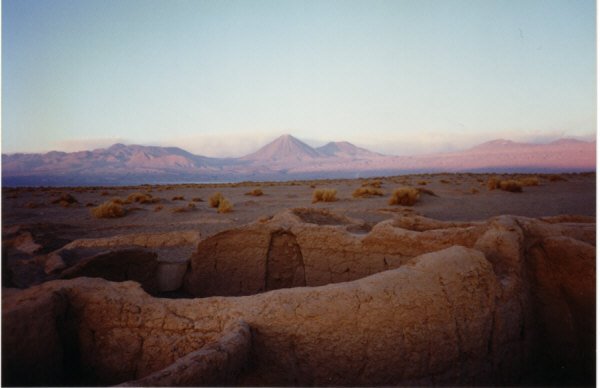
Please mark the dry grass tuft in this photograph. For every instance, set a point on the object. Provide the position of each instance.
(215, 199)
(529, 181)
(224, 206)
(511, 186)
(422, 183)
(493, 183)
(324, 195)
(255, 193)
(444, 181)
(474, 190)
(109, 209)
(556, 178)
(366, 192)
(105, 193)
(141, 198)
(158, 208)
(374, 183)
(405, 196)
(182, 209)
(197, 199)
(178, 198)
(65, 200)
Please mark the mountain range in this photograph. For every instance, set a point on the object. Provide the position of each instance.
(284, 158)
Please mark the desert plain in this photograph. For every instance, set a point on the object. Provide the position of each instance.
(470, 284)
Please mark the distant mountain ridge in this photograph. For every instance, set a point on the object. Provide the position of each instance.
(284, 148)
(284, 158)
(345, 149)
(287, 148)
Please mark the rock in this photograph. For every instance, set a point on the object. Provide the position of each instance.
(54, 263)
(24, 242)
(32, 341)
(38, 238)
(214, 364)
(334, 334)
(22, 271)
(119, 265)
(562, 267)
(170, 273)
(146, 240)
(505, 302)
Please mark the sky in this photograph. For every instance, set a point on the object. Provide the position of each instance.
(222, 78)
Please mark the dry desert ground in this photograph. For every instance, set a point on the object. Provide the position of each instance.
(460, 279)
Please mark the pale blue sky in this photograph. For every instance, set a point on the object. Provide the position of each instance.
(221, 78)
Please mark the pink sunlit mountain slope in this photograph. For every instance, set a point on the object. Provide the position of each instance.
(284, 149)
(344, 149)
(284, 158)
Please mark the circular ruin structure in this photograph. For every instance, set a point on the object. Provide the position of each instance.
(313, 298)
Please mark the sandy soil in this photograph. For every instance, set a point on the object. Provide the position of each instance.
(458, 197)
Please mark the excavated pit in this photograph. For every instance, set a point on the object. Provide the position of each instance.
(319, 247)
(158, 261)
(320, 217)
(510, 301)
(83, 339)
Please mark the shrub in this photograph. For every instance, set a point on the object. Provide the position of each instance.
(366, 192)
(178, 198)
(197, 199)
(556, 178)
(422, 183)
(65, 199)
(493, 183)
(474, 190)
(529, 181)
(405, 196)
(141, 198)
(109, 209)
(224, 206)
(511, 186)
(255, 193)
(182, 209)
(158, 208)
(105, 193)
(324, 195)
(215, 199)
(374, 183)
